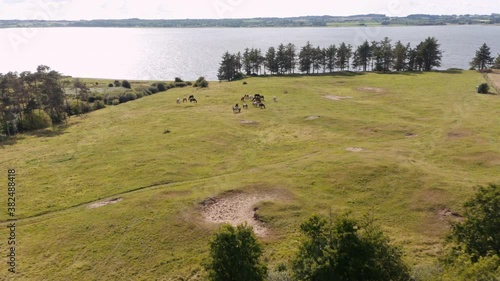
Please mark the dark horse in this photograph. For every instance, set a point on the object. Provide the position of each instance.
(262, 106)
(192, 99)
(236, 109)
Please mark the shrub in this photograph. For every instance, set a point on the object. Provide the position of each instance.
(36, 120)
(126, 84)
(171, 85)
(139, 94)
(245, 82)
(115, 102)
(108, 99)
(347, 250)
(180, 84)
(201, 82)
(153, 90)
(117, 83)
(235, 255)
(161, 87)
(110, 85)
(99, 105)
(483, 88)
(86, 108)
(127, 96)
(178, 79)
(189, 83)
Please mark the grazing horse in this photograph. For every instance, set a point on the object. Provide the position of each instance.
(275, 99)
(193, 100)
(255, 104)
(262, 106)
(184, 100)
(178, 100)
(245, 106)
(236, 109)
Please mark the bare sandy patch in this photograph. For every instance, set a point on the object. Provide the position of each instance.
(445, 214)
(312, 118)
(104, 203)
(248, 122)
(336, 98)
(411, 135)
(370, 89)
(236, 208)
(354, 149)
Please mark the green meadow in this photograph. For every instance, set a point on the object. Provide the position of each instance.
(402, 148)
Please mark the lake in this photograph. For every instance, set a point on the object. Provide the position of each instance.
(165, 53)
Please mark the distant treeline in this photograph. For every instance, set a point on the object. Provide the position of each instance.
(356, 20)
(369, 56)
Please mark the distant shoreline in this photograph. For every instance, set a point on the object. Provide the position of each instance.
(305, 21)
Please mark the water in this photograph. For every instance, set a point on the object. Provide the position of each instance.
(165, 53)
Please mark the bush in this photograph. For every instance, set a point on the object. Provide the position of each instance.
(117, 83)
(110, 85)
(128, 96)
(178, 79)
(161, 87)
(180, 84)
(483, 88)
(126, 84)
(201, 82)
(86, 108)
(36, 120)
(171, 85)
(189, 83)
(153, 90)
(347, 250)
(235, 255)
(99, 105)
(108, 99)
(115, 102)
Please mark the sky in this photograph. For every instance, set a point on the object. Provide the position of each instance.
(216, 9)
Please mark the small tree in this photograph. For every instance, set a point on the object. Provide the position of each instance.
(347, 250)
(201, 82)
(479, 234)
(483, 88)
(235, 255)
(496, 64)
(483, 58)
(126, 84)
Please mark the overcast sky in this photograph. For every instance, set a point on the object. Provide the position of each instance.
(182, 9)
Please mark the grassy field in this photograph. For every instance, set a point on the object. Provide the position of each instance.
(423, 142)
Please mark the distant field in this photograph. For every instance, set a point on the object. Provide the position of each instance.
(407, 149)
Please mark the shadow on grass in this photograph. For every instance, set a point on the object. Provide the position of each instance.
(42, 133)
(299, 75)
(9, 141)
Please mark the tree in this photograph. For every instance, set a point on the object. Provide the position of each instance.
(362, 56)
(345, 249)
(201, 82)
(386, 54)
(479, 234)
(235, 255)
(306, 58)
(281, 59)
(331, 54)
(483, 58)
(429, 53)
(290, 58)
(496, 64)
(228, 67)
(400, 54)
(271, 62)
(344, 54)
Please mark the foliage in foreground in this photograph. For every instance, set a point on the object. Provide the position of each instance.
(235, 255)
(475, 242)
(346, 249)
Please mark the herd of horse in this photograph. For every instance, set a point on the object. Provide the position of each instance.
(257, 102)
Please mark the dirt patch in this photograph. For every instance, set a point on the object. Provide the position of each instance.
(104, 203)
(354, 149)
(459, 134)
(495, 79)
(336, 98)
(236, 208)
(448, 214)
(247, 122)
(411, 135)
(370, 89)
(312, 118)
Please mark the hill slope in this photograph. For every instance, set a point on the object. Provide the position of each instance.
(406, 148)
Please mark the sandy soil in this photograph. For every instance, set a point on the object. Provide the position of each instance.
(104, 203)
(370, 89)
(236, 208)
(355, 149)
(336, 98)
(312, 118)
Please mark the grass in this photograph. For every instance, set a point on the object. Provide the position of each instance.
(157, 232)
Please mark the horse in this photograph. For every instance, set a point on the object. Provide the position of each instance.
(236, 109)
(193, 100)
(178, 100)
(255, 104)
(274, 99)
(184, 100)
(262, 106)
(245, 106)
